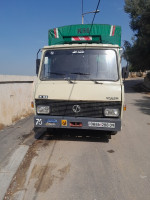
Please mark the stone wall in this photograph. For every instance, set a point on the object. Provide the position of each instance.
(137, 74)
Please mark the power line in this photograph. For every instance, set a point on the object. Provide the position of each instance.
(95, 14)
(96, 10)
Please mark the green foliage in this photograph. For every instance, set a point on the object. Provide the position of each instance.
(138, 54)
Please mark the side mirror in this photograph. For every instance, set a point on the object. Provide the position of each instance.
(37, 65)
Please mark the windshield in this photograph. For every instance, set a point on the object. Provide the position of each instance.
(79, 65)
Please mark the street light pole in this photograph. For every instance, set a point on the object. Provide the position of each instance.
(82, 19)
(96, 11)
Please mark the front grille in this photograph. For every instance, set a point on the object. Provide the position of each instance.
(87, 109)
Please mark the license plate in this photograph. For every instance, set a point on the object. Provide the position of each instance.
(101, 124)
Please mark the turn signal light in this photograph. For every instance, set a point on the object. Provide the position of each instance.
(32, 104)
(124, 108)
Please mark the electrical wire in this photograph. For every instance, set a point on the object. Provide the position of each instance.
(94, 15)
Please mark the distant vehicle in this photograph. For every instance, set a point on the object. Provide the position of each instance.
(79, 79)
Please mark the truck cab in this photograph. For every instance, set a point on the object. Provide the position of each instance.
(79, 82)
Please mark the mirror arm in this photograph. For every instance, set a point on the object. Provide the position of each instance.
(37, 62)
(38, 53)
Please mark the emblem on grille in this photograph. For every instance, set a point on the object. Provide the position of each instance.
(76, 108)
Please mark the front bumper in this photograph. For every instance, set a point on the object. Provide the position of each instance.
(105, 124)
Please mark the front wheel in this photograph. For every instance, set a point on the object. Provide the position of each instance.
(113, 132)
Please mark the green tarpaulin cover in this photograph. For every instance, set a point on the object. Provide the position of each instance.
(96, 33)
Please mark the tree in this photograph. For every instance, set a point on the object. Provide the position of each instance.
(138, 54)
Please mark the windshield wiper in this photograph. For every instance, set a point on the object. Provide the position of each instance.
(68, 79)
(80, 73)
(57, 73)
(96, 81)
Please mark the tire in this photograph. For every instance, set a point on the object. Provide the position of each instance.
(113, 132)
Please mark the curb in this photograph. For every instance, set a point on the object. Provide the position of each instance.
(8, 172)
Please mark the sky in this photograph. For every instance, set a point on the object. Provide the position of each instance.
(24, 26)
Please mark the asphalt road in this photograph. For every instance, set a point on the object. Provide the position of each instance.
(79, 165)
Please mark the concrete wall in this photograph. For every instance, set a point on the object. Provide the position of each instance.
(16, 94)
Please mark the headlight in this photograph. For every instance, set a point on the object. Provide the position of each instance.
(43, 109)
(110, 112)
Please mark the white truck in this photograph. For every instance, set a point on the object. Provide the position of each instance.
(79, 79)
